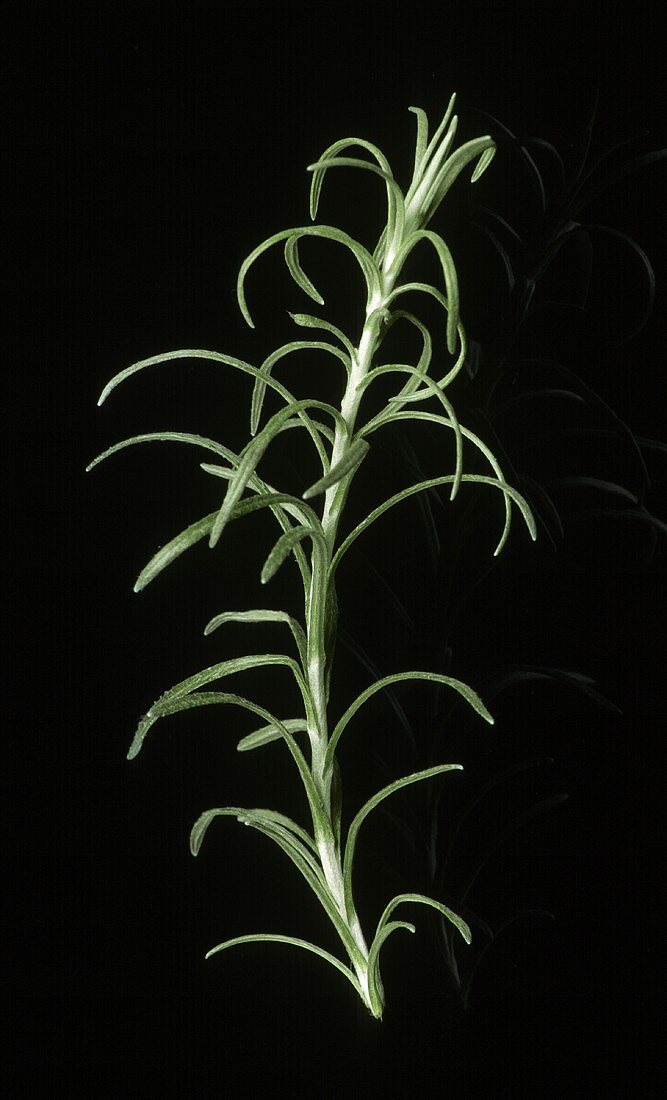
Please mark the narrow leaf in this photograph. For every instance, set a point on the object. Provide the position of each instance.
(363, 813)
(374, 980)
(281, 550)
(297, 272)
(174, 548)
(307, 320)
(351, 459)
(261, 937)
(261, 616)
(270, 732)
(420, 899)
(272, 816)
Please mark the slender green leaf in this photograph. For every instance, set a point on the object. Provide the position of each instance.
(297, 272)
(467, 692)
(363, 813)
(488, 454)
(420, 899)
(174, 548)
(270, 732)
(162, 437)
(374, 980)
(403, 368)
(185, 353)
(337, 147)
(421, 140)
(228, 668)
(204, 820)
(167, 705)
(449, 273)
(351, 459)
(282, 549)
(395, 201)
(259, 389)
(261, 616)
(307, 320)
(326, 232)
(430, 483)
(261, 937)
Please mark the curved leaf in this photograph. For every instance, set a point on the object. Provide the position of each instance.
(307, 320)
(337, 147)
(350, 460)
(259, 389)
(281, 550)
(395, 201)
(430, 483)
(174, 548)
(464, 690)
(326, 232)
(261, 616)
(436, 391)
(297, 272)
(363, 813)
(262, 937)
(270, 732)
(449, 274)
(167, 704)
(374, 980)
(488, 454)
(421, 899)
(272, 816)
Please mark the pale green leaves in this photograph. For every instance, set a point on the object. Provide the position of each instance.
(174, 548)
(326, 232)
(187, 694)
(262, 937)
(266, 734)
(351, 459)
(281, 549)
(359, 819)
(261, 615)
(436, 168)
(470, 696)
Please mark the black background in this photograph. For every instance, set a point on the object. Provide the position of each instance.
(150, 149)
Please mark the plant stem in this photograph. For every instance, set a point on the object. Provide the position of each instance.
(321, 630)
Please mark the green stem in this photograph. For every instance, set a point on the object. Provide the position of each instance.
(321, 623)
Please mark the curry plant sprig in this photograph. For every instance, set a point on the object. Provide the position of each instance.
(325, 855)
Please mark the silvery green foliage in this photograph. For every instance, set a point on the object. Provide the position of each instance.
(342, 440)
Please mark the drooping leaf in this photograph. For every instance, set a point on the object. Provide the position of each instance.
(272, 816)
(326, 232)
(270, 732)
(281, 549)
(331, 151)
(351, 459)
(355, 825)
(261, 937)
(421, 899)
(307, 320)
(449, 274)
(374, 980)
(429, 483)
(470, 696)
(395, 201)
(261, 615)
(259, 389)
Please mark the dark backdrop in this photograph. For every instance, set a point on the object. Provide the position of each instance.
(149, 149)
